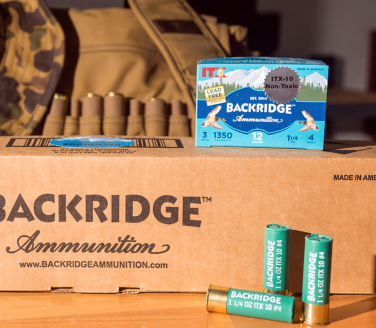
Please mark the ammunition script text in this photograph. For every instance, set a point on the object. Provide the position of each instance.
(95, 205)
(127, 244)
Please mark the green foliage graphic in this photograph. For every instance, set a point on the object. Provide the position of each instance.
(308, 92)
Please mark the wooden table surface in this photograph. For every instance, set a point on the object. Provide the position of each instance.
(147, 310)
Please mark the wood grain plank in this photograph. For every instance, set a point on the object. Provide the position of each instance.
(155, 310)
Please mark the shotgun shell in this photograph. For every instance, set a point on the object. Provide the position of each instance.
(59, 105)
(276, 259)
(316, 279)
(250, 304)
(114, 104)
(75, 108)
(92, 105)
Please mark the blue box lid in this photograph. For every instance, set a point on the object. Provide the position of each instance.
(261, 60)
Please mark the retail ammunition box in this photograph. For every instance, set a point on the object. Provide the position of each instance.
(261, 102)
(164, 215)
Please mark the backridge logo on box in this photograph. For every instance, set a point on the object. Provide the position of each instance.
(95, 205)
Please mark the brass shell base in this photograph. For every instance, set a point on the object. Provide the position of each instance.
(216, 299)
(315, 314)
(277, 292)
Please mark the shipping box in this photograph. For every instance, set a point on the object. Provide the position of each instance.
(164, 215)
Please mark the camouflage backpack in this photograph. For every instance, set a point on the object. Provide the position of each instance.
(32, 55)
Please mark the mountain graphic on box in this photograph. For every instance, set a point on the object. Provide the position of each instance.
(255, 78)
(313, 86)
(315, 79)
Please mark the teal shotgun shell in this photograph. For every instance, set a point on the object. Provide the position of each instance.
(250, 304)
(276, 259)
(316, 279)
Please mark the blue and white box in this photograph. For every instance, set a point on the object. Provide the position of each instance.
(261, 102)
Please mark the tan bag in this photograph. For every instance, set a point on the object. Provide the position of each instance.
(178, 126)
(182, 38)
(114, 125)
(135, 121)
(71, 126)
(135, 126)
(153, 55)
(114, 114)
(178, 122)
(155, 118)
(156, 125)
(90, 125)
(54, 125)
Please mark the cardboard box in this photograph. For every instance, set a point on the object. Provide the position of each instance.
(202, 217)
(261, 102)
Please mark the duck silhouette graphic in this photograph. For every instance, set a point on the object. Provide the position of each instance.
(211, 119)
(309, 124)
